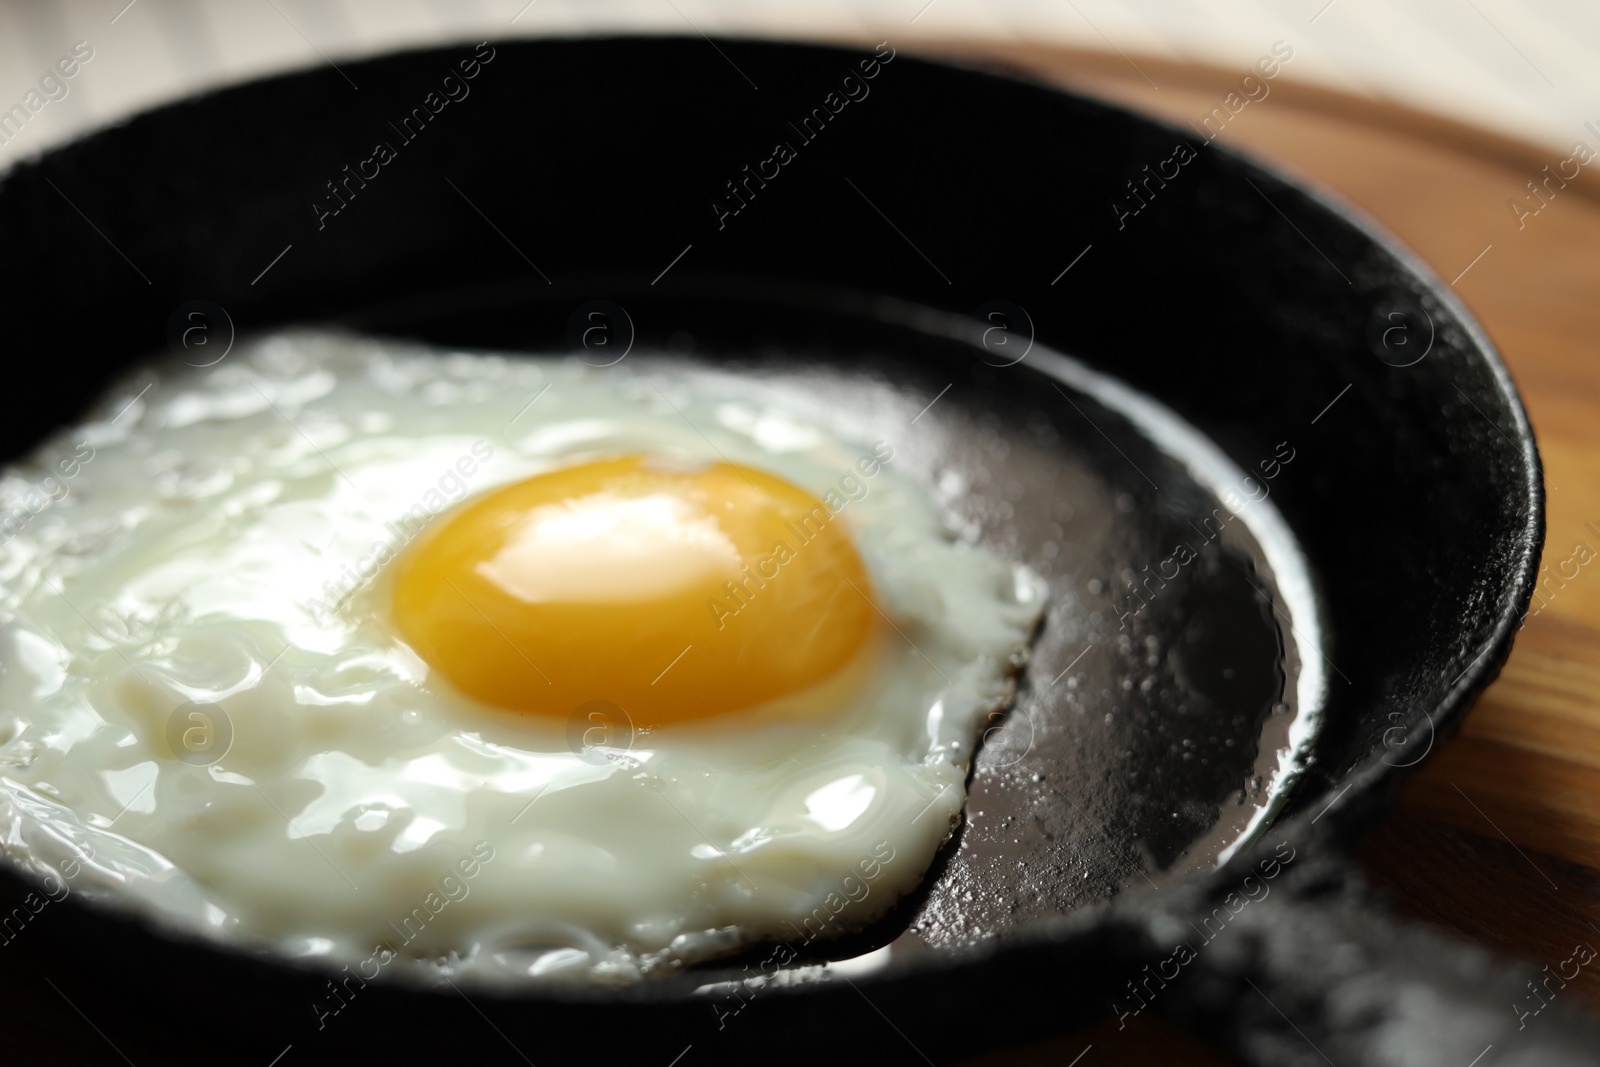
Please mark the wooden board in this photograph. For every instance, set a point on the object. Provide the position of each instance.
(1498, 836)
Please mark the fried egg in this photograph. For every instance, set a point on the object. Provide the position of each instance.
(500, 666)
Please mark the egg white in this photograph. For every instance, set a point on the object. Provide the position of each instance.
(222, 552)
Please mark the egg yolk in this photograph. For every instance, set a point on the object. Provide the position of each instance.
(675, 594)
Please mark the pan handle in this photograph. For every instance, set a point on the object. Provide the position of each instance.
(1314, 968)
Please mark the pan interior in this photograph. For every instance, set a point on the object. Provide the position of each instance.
(1176, 681)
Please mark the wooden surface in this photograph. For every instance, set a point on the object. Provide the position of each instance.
(1498, 836)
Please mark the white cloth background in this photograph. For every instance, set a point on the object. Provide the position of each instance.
(1530, 68)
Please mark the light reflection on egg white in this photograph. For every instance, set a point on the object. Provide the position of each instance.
(840, 803)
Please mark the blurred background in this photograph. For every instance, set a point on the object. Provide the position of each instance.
(1527, 70)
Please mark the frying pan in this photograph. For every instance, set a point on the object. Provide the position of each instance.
(1102, 319)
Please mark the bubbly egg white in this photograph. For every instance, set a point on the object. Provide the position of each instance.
(205, 713)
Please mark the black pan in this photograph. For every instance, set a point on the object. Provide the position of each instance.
(1029, 269)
